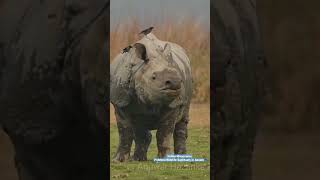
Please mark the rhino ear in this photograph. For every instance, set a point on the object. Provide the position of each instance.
(120, 74)
(141, 51)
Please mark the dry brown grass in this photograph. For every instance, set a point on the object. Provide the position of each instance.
(187, 33)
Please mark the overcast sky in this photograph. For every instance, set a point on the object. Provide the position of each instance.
(157, 10)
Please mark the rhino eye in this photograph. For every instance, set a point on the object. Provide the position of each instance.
(146, 60)
(153, 76)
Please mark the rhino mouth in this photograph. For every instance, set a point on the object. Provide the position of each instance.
(170, 91)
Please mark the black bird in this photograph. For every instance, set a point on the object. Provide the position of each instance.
(146, 31)
(127, 49)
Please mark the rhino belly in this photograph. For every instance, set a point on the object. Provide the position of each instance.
(147, 122)
(145, 117)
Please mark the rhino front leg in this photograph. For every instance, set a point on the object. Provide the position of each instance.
(180, 136)
(125, 141)
(164, 135)
(142, 140)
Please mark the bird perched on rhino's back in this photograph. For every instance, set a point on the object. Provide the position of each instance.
(151, 88)
(146, 31)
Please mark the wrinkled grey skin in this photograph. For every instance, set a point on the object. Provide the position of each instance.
(53, 87)
(151, 88)
(239, 68)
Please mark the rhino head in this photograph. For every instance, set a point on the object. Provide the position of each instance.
(148, 72)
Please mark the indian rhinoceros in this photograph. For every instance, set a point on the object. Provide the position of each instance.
(239, 69)
(54, 86)
(151, 89)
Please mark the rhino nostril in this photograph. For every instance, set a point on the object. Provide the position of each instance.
(168, 83)
(153, 76)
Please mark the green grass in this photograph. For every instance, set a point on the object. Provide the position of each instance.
(198, 145)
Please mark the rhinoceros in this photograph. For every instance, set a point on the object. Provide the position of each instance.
(54, 86)
(151, 89)
(239, 79)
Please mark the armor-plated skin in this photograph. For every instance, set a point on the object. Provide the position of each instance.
(239, 69)
(151, 89)
(54, 87)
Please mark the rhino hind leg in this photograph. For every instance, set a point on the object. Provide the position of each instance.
(125, 141)
(142, 140)
(180, 136)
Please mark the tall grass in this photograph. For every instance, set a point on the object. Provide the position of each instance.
(188, 33)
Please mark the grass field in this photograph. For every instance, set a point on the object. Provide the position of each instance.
(198, 145)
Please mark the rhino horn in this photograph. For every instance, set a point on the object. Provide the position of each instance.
(167, 51)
